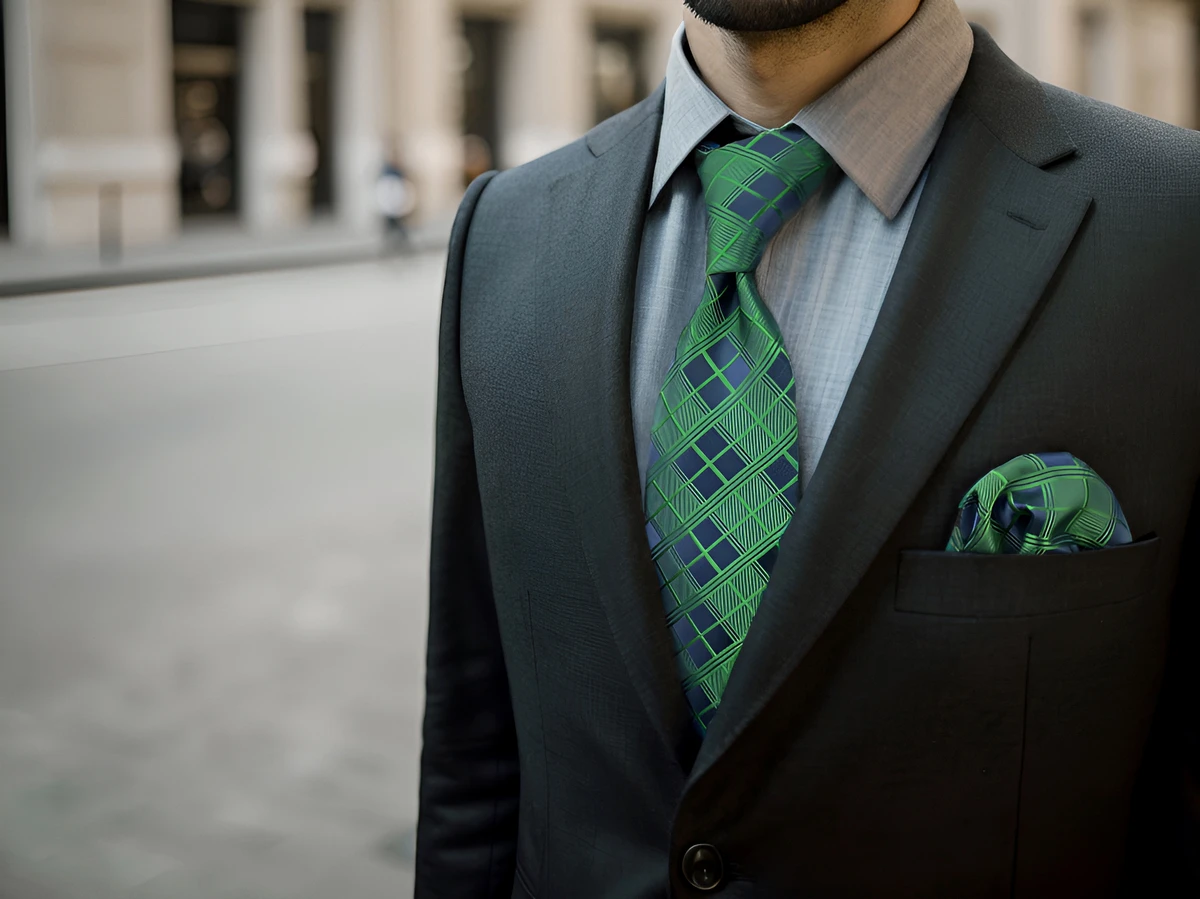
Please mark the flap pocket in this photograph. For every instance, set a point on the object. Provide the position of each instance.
(984, 585)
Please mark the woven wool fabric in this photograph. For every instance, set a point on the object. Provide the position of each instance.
(722, 483)
(1039, 503)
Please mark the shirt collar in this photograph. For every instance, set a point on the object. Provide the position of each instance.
(879, 123)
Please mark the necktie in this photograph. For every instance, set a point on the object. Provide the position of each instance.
(722, 482)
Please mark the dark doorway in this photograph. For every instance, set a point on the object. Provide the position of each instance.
(618, 79)
(318, 43)
(3, 130)
(207, 39)
(481, 96)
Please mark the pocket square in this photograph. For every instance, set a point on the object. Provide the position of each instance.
(1039, 503)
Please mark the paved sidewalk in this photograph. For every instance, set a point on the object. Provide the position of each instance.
(199, 252)
(214, 554)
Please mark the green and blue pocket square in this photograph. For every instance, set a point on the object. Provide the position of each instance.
(1039, 503)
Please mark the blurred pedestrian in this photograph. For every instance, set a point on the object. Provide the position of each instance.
(395, 199)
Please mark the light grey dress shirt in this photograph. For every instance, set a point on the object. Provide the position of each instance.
(825, 273)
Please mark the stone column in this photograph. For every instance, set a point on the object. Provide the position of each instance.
(26, 206)
(1123, 41)
(278, 149)
(547, 97)
(1049, 41)
(94, 155)
(1166, 72)
(659, 38)
(359, 82)
(426, 104)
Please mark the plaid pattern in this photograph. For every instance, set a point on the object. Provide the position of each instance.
(722, 483)
(1039, 503)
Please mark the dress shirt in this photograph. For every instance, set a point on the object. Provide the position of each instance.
(825, 273)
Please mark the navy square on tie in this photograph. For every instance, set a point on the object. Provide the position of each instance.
(699, 653)
(702, 617)
(768, 222)
(730, 464)
(687, 549)
(706, 533)
(746, 206)
(780, 372)
(684, 630)
(768, 186)
(781, 472)
(711, 443)
(770, 144)
(718, 639)
(737, 372)
(703, 571)
(788, 203)
(713, 392)
(707, 483)
(689, 463)
(722, 352)
(723, 554)
(698, 370)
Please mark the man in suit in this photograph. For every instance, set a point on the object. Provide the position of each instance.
(715, 380)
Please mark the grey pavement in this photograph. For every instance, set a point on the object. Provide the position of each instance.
(214, 497)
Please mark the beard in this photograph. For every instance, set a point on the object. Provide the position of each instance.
(761, 15)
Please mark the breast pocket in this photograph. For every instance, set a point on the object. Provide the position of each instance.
(975, 585)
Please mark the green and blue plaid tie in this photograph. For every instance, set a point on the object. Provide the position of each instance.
(722, 483)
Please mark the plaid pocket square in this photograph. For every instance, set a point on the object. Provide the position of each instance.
(1039, 503)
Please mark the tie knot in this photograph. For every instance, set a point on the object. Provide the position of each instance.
(751, 187)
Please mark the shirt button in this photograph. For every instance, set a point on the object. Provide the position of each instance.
(702, 866)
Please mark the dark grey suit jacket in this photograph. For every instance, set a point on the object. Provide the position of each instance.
(901, 721)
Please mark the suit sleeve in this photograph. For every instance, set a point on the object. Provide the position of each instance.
(467, 824)
(1164, 836)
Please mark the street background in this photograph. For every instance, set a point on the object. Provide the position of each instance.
(217, 371)
(213, 558)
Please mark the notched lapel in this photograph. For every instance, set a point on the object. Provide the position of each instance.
(989, 232)
(589, 249)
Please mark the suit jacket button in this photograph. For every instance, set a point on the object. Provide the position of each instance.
(702, 866)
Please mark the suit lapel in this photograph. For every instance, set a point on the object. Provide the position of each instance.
(990, 230)
(588, 265)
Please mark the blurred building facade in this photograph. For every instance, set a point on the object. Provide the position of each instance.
(138, 118)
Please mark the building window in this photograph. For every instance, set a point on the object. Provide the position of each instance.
(480, 65)
(318, 44)
(207, 39)
(618, 80)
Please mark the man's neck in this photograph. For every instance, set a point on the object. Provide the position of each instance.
(767, 77)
